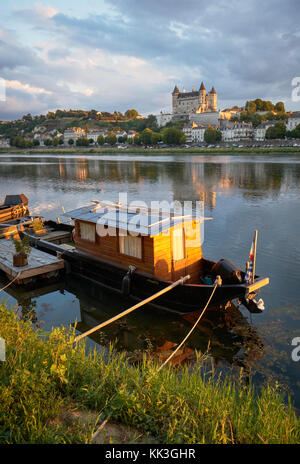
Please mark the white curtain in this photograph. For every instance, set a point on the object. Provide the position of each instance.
(178, 244)
(87, 232)
(131, 246)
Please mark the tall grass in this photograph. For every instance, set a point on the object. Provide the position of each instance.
(45, 373)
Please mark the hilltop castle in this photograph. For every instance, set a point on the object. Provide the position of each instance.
(196, 101)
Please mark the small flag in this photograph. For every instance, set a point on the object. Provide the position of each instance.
(249, 273)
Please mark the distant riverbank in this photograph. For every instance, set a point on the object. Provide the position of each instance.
(154, 151)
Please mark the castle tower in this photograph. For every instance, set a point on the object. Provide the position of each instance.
(212, 100)
(202, 98)
(175, 94)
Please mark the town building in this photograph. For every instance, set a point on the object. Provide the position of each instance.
(5, 143)
(237, 131)
(73, 133)
(163, 118)
(131, 134)
(94, 134)
(293, 121)
(259, 132)
(194, 132)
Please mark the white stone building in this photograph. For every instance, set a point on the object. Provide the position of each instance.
(163, 118)
(94, 134)
(293, 121)
(259, 132)
(73, 133)
(237, 132)
(5, 143)
(194, 132)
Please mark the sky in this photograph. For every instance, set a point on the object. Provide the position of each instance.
(114, 55)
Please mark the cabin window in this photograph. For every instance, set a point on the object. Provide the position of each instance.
(131, 246)
(178, 244)
(87, 232)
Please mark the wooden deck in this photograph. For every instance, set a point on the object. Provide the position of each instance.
(39, 263)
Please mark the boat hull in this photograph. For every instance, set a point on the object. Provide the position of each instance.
(182, 299)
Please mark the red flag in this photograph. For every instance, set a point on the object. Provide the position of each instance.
(251, 254)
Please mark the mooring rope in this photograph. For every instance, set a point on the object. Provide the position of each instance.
(9, 283)
(217, 283)
(132, 308)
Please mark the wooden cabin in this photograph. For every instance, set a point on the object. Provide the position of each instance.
(166, 246)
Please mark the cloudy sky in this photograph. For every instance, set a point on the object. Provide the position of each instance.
(117, 54)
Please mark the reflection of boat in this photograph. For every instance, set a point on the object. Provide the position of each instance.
(14, 206)
(228, 334)
(165, 248)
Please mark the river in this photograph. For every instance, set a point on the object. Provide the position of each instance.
(240, 193)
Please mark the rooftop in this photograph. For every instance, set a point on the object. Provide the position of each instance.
(134, 219)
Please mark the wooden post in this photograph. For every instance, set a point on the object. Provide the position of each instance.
(254, 253)
(129, 310)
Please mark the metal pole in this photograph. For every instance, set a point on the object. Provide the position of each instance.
(129, 310)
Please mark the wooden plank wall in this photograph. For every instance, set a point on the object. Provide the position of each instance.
(166, 268)
(107, 247)
(157, 257)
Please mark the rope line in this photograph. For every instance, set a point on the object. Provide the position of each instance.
(192, 329)
(9, 283)
(132, 308)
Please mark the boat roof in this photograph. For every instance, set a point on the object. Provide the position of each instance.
(133, 219)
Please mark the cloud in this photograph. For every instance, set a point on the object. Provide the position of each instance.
(134, 51)
(26, 88)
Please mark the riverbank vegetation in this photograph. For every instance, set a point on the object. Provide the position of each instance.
(152, 151)
(45, 374)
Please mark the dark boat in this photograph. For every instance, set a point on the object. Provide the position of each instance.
(141, 265)
(14, 206)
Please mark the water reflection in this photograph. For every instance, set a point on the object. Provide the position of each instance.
(229, 336)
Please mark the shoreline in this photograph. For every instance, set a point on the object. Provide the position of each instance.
(153, 152)
(57, 384)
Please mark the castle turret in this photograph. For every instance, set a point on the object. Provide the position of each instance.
(175, 94)
(176, 90)
(212, 100)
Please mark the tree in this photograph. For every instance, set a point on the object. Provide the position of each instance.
(212, 135)
(55, 142)
(61, 141)
(48, 142)
(91, 141)
(155, 138)
(278, 131)
(131, 114)
(173, 136)
(250, 106)
(100, 140)
(71, 142)
(36, 143)
(145, 136)
(137, 140)
(280, 107)
(82, 142)
(111, 138)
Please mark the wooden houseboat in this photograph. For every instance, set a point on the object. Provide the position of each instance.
(14, 206)
(139, 254)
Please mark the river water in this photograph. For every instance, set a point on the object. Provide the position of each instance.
(240, 193)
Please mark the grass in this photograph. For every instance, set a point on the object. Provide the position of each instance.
(156, 151)
(45, 374)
